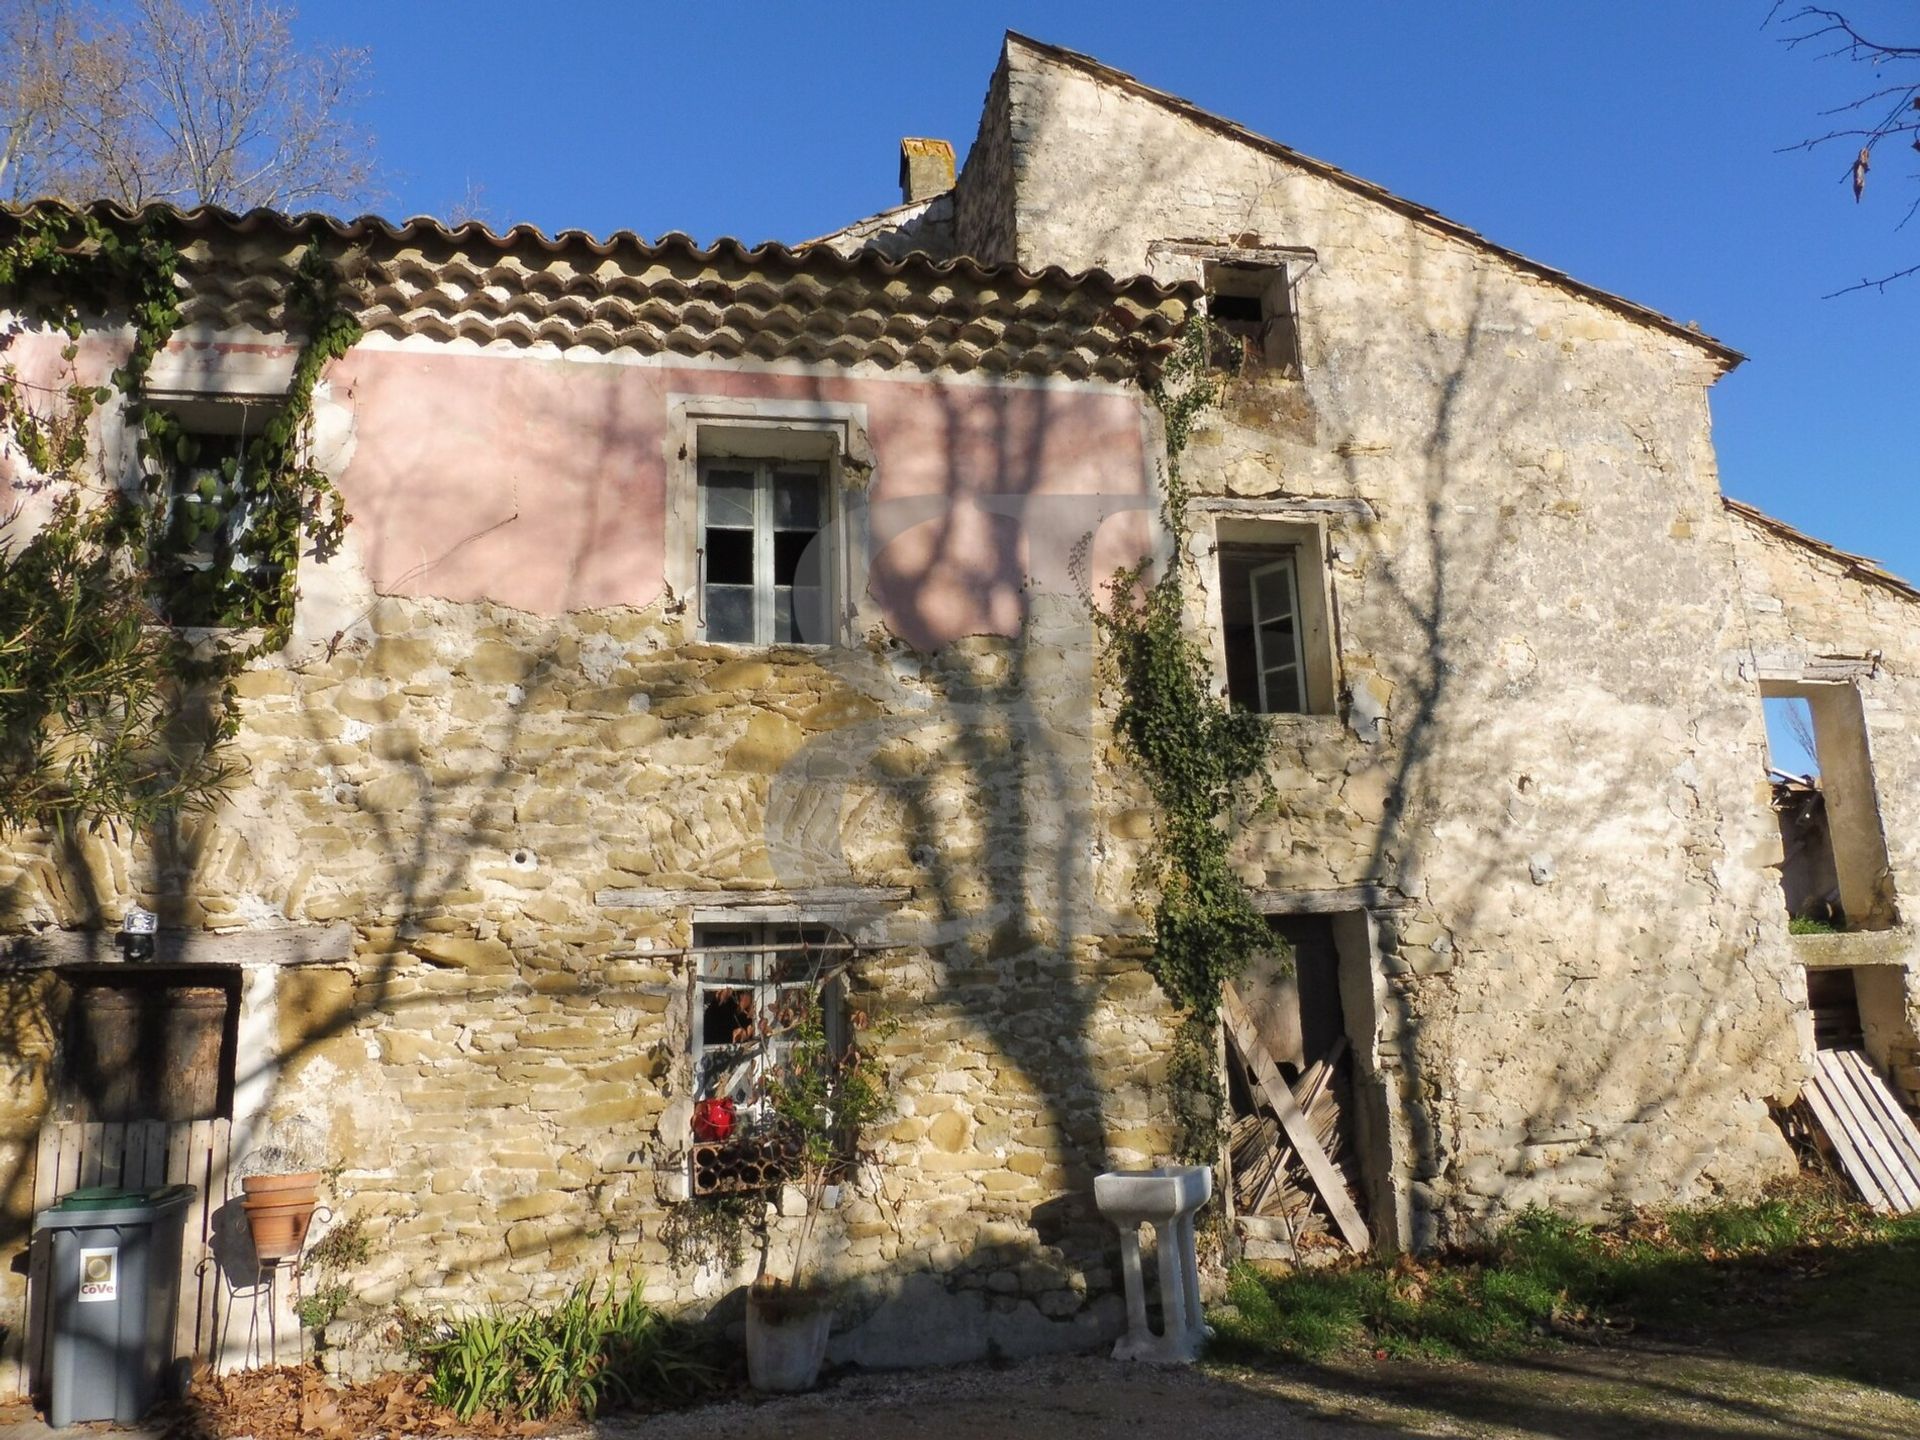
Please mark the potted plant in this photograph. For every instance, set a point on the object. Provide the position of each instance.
(821, 1094)
(280, 1187)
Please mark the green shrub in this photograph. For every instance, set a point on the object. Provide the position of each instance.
(589, 1353)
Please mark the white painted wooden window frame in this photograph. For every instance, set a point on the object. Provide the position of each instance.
(827, 537)
(1286, 560)
(832, 431)
(766, 992)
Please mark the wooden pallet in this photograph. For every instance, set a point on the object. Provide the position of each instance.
(139, 1154)
(1871, 1135)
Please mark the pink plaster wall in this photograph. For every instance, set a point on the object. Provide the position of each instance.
(541, 484)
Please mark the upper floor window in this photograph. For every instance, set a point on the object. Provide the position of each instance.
(209, 573)
(764, 572)
(1260, 608)
(1276, 642)
(1251, 321)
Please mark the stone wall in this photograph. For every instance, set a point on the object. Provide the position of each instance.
(521, 816)
(1826, 621)
(1547, 756)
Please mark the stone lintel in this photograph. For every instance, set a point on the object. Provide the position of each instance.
(1856, 947)
(1282, 505)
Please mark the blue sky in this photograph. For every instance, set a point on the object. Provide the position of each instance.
(1631, 143)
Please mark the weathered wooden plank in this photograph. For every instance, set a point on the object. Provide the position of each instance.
(72, 1135)
(818, 898)
(1282, 505)
(113, 1152)
(1325, 902)
(178, 1172)
(90, 1153)
(1898, 1142)
(46, 1165)
(1844, 1107)
(153, 1148)
(1845, 1152)
(1326, 1177)
(46, 1176)
(1852, 1096)
(200, 1241)
(1900, 1129)
(1840, 1134)
(207, 1342)
(282, 945)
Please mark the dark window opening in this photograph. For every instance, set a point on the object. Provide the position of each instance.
(210, 568)
(1251, 322)
(1834, 871)
(1835, 1003)
(1299, 1019)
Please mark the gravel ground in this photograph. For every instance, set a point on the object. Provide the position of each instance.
(1573, 1394)
(1072, 1396)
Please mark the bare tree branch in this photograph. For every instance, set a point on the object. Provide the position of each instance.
(1894, 97)
(191, 101)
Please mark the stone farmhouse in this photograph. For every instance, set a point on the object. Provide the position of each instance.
(701, 605)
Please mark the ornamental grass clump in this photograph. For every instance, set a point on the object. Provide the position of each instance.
(590, 1353)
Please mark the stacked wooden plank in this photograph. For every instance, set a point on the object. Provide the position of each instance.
(1870, 1134)
(142, 1154)
(1288, 1158)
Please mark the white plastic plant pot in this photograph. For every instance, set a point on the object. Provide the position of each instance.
(786, 1339)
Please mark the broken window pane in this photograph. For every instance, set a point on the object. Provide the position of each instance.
(764, 540)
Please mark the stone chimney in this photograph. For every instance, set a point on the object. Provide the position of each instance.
(926, 168)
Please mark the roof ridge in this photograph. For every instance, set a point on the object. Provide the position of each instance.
(1645, 314)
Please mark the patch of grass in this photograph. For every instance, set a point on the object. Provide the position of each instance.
(1546, 1278)
(1808, 925)
(589, 1353)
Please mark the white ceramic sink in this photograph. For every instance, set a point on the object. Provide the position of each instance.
(1165, 1198)
(1152, 1197)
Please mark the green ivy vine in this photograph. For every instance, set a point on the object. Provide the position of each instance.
(107, 711)
(1201, 759)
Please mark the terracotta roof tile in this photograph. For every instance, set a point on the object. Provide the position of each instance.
(674, 295)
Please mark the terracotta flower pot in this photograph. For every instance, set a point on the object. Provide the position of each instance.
(307, 1183)
(278, 1229)
(279, 1210)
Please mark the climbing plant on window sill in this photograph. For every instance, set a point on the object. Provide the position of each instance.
(106, 714)
(1201, 760)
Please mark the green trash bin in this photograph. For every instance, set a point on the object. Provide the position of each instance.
(113, 1282)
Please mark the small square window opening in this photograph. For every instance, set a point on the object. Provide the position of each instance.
(1251, 320)
(764, 572)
